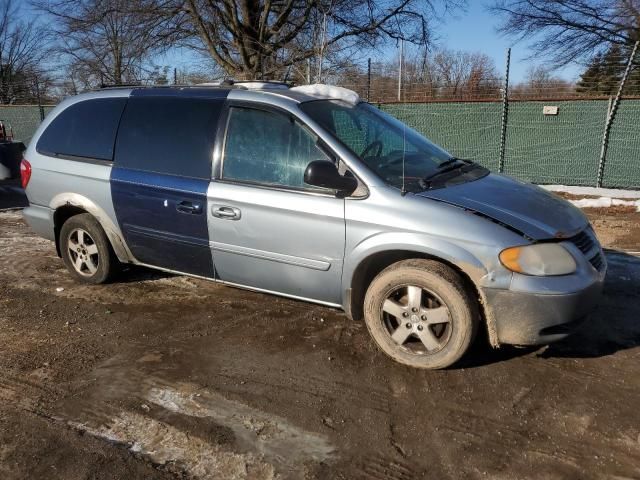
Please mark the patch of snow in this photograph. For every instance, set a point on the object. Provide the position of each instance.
(274, 437)
(605, 202)
(165, 444)
(262, 85)
(329, 91)
(603, 192)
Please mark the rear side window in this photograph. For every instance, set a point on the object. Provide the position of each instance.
(86, 129)
(172, 135)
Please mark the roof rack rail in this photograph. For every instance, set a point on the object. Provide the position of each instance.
(226, 83)
(270, 82)
(248, 84)
(119, 85)
(138, 85)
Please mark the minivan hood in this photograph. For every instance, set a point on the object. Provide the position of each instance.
(527, 208)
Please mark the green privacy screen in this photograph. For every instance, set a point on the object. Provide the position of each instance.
(622, 168)
(563, 148)
(24, 119)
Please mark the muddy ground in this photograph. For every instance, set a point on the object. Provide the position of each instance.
(162, 377)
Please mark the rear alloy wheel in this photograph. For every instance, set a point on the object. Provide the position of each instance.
(420, 314)
(83, 252)
(86, 250)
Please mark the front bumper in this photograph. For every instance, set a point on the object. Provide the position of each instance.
(537, 318)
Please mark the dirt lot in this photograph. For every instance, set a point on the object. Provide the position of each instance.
(159, 376)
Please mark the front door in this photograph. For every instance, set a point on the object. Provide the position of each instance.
(270, 230)
(161, 173)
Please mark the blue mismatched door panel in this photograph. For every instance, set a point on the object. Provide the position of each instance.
(163, 219)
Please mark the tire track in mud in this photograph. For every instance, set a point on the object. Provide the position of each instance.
(320, 387)
(23, 393)
(493, 433)
(125, 405)
(584, 375)
(274, 449)
(385, 468)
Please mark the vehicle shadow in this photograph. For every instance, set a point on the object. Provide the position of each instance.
(136, 273)
(12, 195)
(482, 354)
(613, 326)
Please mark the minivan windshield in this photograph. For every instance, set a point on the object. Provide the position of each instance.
(390, 148)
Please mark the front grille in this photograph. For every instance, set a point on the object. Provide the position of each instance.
(584, 241)
(589, 246)
(597, 261)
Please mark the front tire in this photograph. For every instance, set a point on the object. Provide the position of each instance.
(86, 250)
(420, 314)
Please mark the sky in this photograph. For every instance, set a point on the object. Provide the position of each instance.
(475, 30)
(472, 30)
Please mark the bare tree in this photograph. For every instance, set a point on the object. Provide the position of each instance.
(22, 52)
(440, 75)
(464, 74)
(570, 30)
(202, 71)
(105, 41)
(263, 38)
(540, 82)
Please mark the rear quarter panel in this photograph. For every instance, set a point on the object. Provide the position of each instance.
(56, 182)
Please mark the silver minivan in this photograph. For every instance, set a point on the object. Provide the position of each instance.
(311, 193)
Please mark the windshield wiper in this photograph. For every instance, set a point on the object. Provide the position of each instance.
(449, 166)
(448, 162)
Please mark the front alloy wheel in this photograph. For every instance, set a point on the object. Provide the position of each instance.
(420, 313)
(416, 320)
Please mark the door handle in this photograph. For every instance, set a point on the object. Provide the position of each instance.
(225, 212)
(188, 207)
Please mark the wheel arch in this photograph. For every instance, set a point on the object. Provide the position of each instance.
(66, 206)
(359, 274)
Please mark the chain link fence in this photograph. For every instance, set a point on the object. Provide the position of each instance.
(564, 148)
(544, 129)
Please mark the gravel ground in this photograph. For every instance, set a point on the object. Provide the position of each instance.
(157, 376)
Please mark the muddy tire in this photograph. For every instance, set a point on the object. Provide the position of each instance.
(420, 314)
(86, 250)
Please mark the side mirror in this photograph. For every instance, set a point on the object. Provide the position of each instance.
(323, 173)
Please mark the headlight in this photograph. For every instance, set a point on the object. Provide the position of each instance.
(539, 259)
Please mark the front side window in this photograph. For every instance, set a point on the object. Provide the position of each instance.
(396, 153)
(268, 148)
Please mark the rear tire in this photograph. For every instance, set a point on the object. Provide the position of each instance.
(86, 250)
(420, 314)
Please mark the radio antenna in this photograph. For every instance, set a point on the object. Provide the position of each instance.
(403, 192)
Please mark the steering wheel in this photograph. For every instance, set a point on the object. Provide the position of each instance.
(392, 159)
(375, 144)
